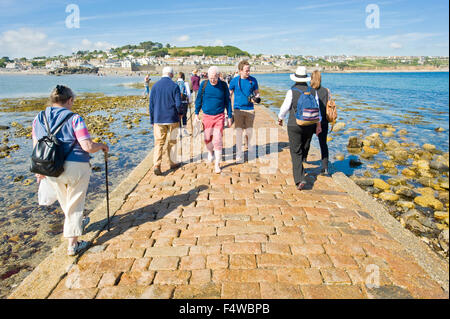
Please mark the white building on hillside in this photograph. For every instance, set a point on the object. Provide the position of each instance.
(12, 65)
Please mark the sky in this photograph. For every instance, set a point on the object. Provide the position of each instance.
(351, 27)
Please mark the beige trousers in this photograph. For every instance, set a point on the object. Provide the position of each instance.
(160, 132)
(71, 188)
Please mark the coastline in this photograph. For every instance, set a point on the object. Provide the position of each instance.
(125, 73)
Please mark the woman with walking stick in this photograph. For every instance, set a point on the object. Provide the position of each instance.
(71, 186)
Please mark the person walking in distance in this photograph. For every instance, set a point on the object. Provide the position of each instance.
(245, 91)
(185, 100)
(147, 84)
(165, 115)
(322, 95)
(71, 186)
(299, 135)
(213, 99)
(195, 82)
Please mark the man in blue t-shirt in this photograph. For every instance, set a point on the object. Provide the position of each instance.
(245, 91)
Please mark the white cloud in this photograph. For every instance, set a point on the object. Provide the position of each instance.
(375, 43)
(29, 43)
(183, 38)
(396, 45)
(26, 42)
(91, 46)
(218, 43)
(325, 5)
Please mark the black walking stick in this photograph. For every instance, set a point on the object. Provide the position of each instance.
(107, 189)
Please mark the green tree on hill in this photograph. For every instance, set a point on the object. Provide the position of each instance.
(4, 60)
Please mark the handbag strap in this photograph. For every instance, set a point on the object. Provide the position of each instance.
(329, 95)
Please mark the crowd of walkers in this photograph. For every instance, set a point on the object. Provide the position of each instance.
(218, 100)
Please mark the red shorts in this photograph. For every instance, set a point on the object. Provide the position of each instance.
(213, 126)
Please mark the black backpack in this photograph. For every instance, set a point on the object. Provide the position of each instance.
(48, 154)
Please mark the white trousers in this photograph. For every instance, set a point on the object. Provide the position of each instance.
(71, 188)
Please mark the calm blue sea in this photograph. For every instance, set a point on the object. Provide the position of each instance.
(393, 98)
(21, 86)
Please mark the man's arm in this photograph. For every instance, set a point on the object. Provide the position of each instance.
(177, 97)
(199, 98)
(151, 107)
(228, 101)
(256, 90)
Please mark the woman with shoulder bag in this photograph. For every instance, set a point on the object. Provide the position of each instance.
(71, 186)
(299, 136)
(322, 96)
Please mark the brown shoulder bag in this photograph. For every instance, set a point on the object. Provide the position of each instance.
(331, 109)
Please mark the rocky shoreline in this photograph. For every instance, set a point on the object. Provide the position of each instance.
(416, 192)
(68, 71)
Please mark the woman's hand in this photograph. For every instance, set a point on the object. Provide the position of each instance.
(318, 129)
(39, 177)
(280, 122)
(105, 148)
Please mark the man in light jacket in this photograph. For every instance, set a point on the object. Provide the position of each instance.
(165, 114)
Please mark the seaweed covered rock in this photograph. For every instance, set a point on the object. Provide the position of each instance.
(379, 183)
(428, 201)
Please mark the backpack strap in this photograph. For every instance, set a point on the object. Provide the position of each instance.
(58, 128)
(297, 89)
(47, 126)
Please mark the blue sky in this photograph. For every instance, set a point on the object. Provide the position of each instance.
(35, 28)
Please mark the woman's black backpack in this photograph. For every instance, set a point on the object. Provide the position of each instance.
(48, 154)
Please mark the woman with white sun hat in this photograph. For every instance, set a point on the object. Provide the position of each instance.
(299, 136)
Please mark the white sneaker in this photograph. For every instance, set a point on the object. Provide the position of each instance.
(217, 169)
(78, 247)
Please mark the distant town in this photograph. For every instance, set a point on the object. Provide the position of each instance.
(150, 56)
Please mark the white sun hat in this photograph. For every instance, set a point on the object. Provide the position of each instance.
(300, 75)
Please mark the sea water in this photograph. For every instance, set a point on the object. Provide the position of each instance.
(416, 102)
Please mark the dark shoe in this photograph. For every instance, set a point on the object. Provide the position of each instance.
(301, 186)
(157, 171)
(325, 172)
(175, 166)
(85, 222)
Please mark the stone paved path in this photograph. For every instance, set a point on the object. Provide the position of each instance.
(244, 234)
